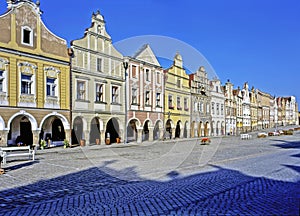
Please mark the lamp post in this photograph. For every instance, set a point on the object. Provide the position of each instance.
(125, 65)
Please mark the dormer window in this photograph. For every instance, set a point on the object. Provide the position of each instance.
(27, 36)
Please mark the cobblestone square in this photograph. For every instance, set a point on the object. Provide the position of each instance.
(178, 177)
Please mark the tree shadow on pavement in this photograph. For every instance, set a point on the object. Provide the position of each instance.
(96, 191)
(287, 144)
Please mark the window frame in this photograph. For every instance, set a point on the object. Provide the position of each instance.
(81, 91)
(30, 32)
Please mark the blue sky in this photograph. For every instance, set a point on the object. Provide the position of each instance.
(257, 41)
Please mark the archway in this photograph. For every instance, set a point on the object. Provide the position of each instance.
(177, 129)
(112, 130)
(132, 134)
(168, 132)
(199, 129)
(206, 129)
(95, 131)
(193, 129)
(156, 131)
(213, 128)
(145, 134)
(185, 130)
(218, 129)
(222, 129)
(20, 132)
(77, 131)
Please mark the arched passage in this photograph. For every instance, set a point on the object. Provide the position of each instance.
(178, 129)
(156, 130)
(112, 130)
(95, 131)
(132, 134)
(206, 129)
(20, 132)
(199, 129)
(168, 128)
(145, 134)
(77, 131)
(185, 130)
(52, 131)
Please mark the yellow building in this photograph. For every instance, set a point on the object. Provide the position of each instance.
(34, 79)
(177, 101)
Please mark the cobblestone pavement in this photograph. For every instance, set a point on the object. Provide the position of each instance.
(228, 177)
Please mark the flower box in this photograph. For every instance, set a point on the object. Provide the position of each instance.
(205, 140)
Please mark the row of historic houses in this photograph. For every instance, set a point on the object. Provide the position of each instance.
(90, 93)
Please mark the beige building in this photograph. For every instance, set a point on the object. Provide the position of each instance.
(34, 79)
(230, 109)
(98, 93)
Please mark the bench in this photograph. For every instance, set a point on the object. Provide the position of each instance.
(8, 152)
(245, 136)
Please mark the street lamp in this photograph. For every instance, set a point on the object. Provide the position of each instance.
(125, 65)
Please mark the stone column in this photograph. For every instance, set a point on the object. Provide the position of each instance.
(102, 137)
(36, 135)
(86, 137)
(173, 133)
(151, 133)
(3, 137)
(140, 133)
(161, 133)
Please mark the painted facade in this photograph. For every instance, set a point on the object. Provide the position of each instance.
(34, 79)
(98, 94)
(238, 97)
(145, 97)
(246, 108)
(217, 108)
(230, 109)
(177, 101)
(254, 108)
(200, 104)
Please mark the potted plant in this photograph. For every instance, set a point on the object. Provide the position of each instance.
(66, 143)
(42, 144)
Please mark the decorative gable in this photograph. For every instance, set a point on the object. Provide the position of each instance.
(146, 54)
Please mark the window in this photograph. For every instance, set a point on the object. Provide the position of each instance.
(195, 106)
(147, 98)
(81, 88)
(217, 89)
(222, 109)
(147, 75)
(134, 96)
(186, 108)
(26, 84)
(99, 92)
(213, 108)
(1, 81)
(207, 108)
(27, 36)
(133, 71)
(178, 103)
(201, 107)
(178, 83)
(114, 94)
(158, 77)
(158, 99)
(170, 97)
(218, 111)
(99, 64)
(51, 86)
